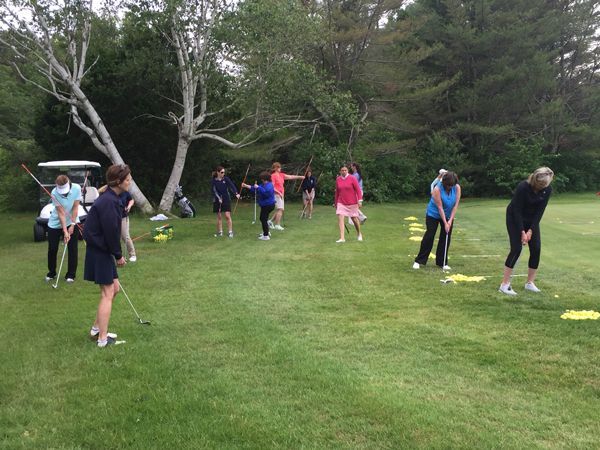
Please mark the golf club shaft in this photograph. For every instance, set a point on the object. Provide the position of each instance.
(131, 304)
(445, 251)
(254, 205)
(55, 285)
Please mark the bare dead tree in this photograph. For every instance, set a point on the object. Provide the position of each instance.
(53, 36)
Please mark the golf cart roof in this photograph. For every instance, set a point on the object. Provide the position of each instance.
(69, 163)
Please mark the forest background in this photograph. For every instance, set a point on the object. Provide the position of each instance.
(489, 88)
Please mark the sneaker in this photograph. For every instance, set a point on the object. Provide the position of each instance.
(507, 289)
(360, 237)
(270, 223)
(132, 258)
(47, 279)
(109, 341)
(416, 265)
(446, 267)
(309, 217)
(529, 286)
(230, 234)
(94, 335)
(219, 234)
(264, 238)
(70, 280)
(340, 241)
(278, 227)
(363, 220)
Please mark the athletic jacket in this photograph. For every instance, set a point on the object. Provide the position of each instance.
(103, 224)
(265, 194)
(308, 184)
(528, 206)
(347, 191)
(221, 188)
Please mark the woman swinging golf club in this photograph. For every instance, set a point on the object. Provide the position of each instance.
(441, 210)
(62, 224)
(523, 216)
(102, 234)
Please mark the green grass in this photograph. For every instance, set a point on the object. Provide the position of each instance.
(302, 343)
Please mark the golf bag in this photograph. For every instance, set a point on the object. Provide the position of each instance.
(187, 209)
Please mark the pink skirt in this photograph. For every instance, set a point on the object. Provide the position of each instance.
(347, 210)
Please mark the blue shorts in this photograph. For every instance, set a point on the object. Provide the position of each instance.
(100, 267)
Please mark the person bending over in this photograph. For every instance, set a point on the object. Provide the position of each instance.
(441, 210)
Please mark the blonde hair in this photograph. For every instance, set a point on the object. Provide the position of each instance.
(275, 166)
(541, 178)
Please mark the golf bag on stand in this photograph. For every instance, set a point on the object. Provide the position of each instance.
(187, 209)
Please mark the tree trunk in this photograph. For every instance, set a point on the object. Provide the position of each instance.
(108, 148)
(183, 144)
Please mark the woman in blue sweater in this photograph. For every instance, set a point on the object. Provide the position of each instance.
(441, 210)
(265, 195)
(102, 234)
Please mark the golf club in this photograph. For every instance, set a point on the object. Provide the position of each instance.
(142, 322)
(55, 285)
(254, 221)
(444, 264)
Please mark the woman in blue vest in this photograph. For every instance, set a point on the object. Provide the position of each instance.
(441, 210)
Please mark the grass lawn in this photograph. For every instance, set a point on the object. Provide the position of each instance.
(303, 343)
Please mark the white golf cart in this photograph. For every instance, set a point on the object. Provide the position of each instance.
(87, 174)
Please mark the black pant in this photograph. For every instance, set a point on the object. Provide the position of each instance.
(514, 235)
(427, 242)
(264, 217)
(54, 238)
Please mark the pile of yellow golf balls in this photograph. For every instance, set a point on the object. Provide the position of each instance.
(569, 314)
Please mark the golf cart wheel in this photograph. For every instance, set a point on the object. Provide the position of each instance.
(39, 232)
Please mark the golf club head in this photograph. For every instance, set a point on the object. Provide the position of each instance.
(447, 280)
(144, 322)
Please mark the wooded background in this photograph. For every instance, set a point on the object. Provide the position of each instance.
(489, 88)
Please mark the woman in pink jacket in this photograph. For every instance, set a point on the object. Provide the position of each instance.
(348, 199)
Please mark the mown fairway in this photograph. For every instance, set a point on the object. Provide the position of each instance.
(299, 342)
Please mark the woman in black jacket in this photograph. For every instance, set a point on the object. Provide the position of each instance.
(523, 217)
(102, 234)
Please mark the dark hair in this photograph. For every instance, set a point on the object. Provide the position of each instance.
(116, 174)
(217, 170)
(265, 176)
(356, 168)
(449, 179)
(308, 169)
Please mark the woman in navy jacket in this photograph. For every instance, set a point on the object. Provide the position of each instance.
(102, 234)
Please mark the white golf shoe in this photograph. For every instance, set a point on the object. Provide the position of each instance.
(446, 267)
(340, 241)
(416, 266)
(507, 289)
(278, 227)
(359, 238)
(529, 286)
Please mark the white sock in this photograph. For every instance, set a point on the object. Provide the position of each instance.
(102, 343)
(94, 330)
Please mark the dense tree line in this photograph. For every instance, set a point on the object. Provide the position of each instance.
(489, 88)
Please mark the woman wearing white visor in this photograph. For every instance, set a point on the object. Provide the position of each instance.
(62, 225)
